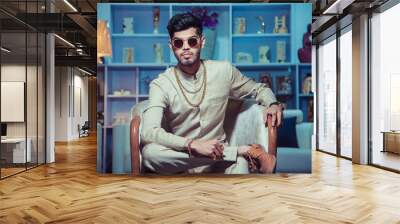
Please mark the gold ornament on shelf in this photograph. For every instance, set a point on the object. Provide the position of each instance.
(281, 51)
(129, 55)
(158, 53)
(240, 25)
(156, 19)
(280, 25)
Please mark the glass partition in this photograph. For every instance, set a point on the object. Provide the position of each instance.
(14, 154)
(22, 78)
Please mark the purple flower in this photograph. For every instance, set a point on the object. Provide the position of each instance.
(209, 21)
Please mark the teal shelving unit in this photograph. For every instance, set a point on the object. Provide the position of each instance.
(134, 77)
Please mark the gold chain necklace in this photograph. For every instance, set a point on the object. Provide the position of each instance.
(196, 90)
(181, 87)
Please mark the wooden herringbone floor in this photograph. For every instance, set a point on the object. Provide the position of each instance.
(70, 191)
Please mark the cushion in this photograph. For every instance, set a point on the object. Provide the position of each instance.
(294, 113)
(287, 133)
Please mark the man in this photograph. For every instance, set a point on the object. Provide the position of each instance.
(193, 97)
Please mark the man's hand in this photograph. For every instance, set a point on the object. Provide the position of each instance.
(211, 148)
(276, 112)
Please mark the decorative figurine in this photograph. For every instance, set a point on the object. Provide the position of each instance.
(158, 52)
(276, 27)
(240, 25)
(284, 85)
(128, 56)
(117, 93)
(265, 78)
(126, 93)
(263, 54)
(280, 25)
(128, 25)
(280, 51)
(283, 28)
(304, 53)
(242, 57)
(307, 82)
(156, 19)
(310, 110)
(262, 25)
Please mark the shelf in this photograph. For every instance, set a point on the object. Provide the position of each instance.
(135, 77)
(263, 65)
(228, 44)
(107, 126)
(111, 126)
(261, 35)
(126, 65)
(122, 96)
(139, 35)
(306, 95)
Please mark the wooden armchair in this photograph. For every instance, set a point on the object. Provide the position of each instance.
(243, 125)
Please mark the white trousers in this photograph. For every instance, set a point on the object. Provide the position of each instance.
(163, 160)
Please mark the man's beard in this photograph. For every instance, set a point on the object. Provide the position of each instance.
(191, 61)
(187, 62)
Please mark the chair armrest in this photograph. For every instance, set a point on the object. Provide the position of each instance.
(249, 128)
(272, 137)
(304, 132)
(135, 145)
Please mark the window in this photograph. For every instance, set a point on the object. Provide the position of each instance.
(327, 95)
(385, 87)
(346, 92)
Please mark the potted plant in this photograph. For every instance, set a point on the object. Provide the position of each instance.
(209, 23)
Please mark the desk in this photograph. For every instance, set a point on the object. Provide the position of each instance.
(391, 141)
(16, 148)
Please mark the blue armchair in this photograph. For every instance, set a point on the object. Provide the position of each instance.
(243, 125)
(296, 160)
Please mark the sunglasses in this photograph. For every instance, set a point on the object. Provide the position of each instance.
(192, 42)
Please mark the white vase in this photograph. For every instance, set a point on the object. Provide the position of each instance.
(208, 51)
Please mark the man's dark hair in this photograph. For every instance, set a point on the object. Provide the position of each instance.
(184, 21)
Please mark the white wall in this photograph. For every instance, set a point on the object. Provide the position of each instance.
(68, 83)
(61, 103)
